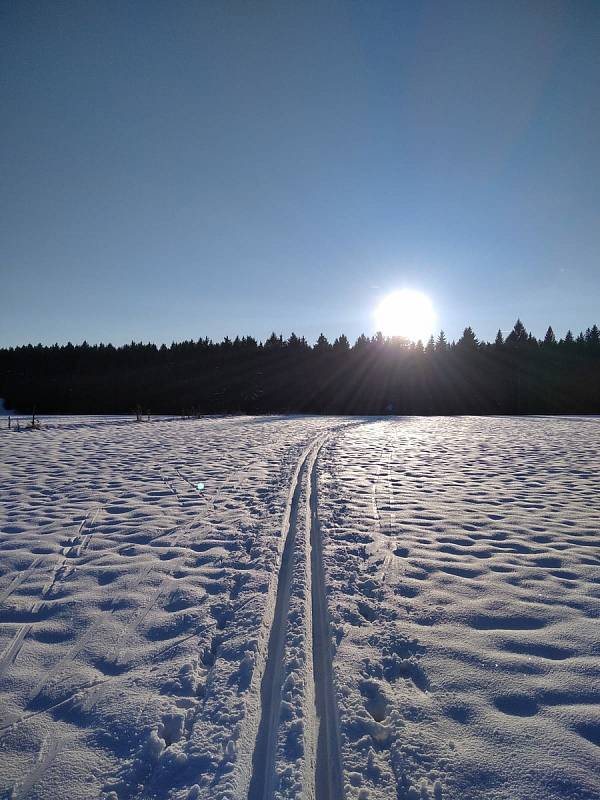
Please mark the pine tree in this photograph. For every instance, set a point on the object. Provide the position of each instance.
(441, 344)
(468, 341)
(274, 342)
(592, 337)
(322, 345)
(430, 346)
(549, 338)
(499, 341)
(341, 344)
(518, 336)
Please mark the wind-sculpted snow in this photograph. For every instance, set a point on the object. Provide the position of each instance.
(462, 557)
(133, 604)
(300, 608)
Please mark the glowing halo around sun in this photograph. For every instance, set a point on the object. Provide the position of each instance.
(406, 313)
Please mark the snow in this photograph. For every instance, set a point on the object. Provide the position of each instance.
(360, 608)
(463, 562)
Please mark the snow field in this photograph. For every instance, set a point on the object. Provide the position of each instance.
(397, 608)
(135, 608)
(462, 561)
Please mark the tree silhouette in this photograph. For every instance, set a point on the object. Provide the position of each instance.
(322, 345)
(441, 344)
(549, 338)
(518, 336)
(592, 337)
(519, 375)
(468, 341)
(341, 344)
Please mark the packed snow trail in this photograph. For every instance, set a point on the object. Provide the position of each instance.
(261, 784)
(301, 572)
(328, 777)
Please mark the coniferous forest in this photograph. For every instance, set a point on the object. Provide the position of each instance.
(518, 374)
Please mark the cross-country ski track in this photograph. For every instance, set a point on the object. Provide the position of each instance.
(321, 734)
(328, 769)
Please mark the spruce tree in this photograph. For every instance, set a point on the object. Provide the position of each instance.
(341, 344)
(441, 344)
(322, 345)
(468, 341)
(518, 336)
(549, 338)
(592, 337)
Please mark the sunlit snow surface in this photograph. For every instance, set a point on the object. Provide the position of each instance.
(457, 571)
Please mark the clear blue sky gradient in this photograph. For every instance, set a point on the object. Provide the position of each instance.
(174, 170)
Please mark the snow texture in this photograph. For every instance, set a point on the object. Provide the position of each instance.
(359, 608)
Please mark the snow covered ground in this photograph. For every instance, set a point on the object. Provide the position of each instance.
(300, 608)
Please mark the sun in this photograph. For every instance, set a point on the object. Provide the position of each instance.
(406, 313)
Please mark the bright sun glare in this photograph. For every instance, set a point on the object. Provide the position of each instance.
(406, 313)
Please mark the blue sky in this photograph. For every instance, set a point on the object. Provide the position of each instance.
(177, 170)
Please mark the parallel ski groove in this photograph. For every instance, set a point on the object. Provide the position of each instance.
(263, 759)
(325, 782)
(328, 769)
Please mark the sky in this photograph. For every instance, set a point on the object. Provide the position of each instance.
(186, 169)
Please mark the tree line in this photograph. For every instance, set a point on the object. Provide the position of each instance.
(519, 374)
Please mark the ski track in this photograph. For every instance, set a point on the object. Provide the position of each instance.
(328, 765)
(372, 609)
(316, 709)
(322, 768)
(263, 760)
